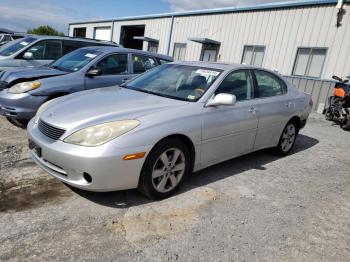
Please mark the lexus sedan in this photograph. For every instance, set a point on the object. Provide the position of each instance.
(24, 90)
(154, 130)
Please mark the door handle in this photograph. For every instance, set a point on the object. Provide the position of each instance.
(289, 104)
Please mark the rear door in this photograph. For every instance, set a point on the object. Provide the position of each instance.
(114, 71)
(274, 107)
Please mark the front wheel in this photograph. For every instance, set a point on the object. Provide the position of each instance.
(287, 139)
(18, 122)
(165, 169)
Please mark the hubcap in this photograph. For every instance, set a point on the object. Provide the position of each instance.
(288, 138)
(168, 170)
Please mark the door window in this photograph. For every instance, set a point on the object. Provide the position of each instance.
(238, 83)
(269, 85)
(69, 46)
(143, 63)
(116, 64)
(46, 50)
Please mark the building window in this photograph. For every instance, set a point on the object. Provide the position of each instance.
(179, 51)
(309, 62)
(253, 55)
(153, 47)
(79, 32)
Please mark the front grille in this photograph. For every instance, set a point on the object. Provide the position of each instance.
(50, 131)
(3, 85)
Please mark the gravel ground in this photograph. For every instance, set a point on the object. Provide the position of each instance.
(254, 208)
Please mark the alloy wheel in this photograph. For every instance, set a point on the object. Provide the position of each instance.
(288, 138)
(168, 170)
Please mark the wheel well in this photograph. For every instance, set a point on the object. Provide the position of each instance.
(296, 120)
(56, 95)
(188, 142)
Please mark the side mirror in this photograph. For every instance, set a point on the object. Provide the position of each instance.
(28, 55)
(222, 99)
(93, 72)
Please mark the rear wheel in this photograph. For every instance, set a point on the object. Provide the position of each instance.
(287, 139)
(165, 169)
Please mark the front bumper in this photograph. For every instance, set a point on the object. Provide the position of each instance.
(20, 106)
(103, 164)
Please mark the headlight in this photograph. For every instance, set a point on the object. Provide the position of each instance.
(101, 134)
(24, 87)
(44, 106)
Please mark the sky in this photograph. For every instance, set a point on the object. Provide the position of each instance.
(21, 15)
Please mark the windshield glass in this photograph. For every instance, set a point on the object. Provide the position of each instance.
(15, 46)
(76, 60)
(181, 82)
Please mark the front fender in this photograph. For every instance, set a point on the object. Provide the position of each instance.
(61, 84)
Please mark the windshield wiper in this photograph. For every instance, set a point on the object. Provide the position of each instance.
(61, 68)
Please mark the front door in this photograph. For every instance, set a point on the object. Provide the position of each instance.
(44, 52)
(230, 131)
(113, 69)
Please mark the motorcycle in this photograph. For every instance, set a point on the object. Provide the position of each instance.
(339, 104)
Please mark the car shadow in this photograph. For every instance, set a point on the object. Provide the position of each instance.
(256, 160)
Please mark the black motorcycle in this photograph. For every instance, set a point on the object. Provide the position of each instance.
(339, 104)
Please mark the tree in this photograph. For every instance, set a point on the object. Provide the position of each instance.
(44, 30)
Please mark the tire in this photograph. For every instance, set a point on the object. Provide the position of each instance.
(287, 139)
(345, 125)
(18, 122)
(329, 115)
(160, 177)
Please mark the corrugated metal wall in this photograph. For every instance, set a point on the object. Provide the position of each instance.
(90, 28)
(282, 31)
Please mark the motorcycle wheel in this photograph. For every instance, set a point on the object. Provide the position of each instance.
(329, 115)
(345, 124)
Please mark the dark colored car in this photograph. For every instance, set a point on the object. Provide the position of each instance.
(25, 89)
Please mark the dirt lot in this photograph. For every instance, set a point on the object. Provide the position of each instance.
(254, 208)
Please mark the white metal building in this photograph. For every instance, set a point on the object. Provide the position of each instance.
(300, 38)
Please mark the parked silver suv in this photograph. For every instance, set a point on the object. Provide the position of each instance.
(36, 50)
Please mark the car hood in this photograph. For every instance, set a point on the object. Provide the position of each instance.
(29, 74)
(104, 105)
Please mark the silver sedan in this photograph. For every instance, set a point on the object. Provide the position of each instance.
(154, 130)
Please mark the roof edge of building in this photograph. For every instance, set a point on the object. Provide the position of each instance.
(278, 5)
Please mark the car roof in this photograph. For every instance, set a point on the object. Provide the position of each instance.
(111, 49)
(70, 38)
(222, 66)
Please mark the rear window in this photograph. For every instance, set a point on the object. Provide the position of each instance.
(15, 46)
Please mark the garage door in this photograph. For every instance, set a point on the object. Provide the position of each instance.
(103, 33)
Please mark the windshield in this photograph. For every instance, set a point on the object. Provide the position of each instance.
(181, 82)
(14, 46)
(76, 60)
